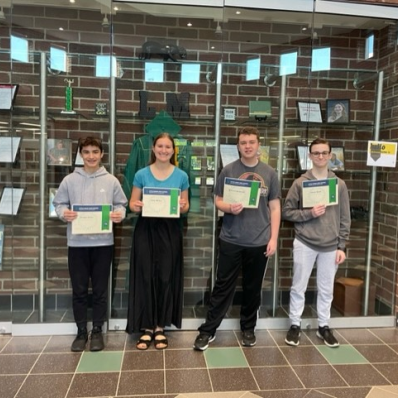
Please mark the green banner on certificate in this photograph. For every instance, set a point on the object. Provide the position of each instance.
(92, 219)
(106, 216)
(333, 190)
(320, 192)
(246, 192)
(174, 197)
(161, 202)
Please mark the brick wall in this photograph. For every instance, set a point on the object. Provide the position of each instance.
(84, 37)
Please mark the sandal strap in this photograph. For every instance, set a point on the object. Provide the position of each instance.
(162, 340)
(147, 333)
(159, 333)
(145, 342)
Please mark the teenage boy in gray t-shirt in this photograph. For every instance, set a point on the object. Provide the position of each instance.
(248, 238)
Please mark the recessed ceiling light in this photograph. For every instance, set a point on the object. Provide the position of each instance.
(72, 1)
(61, 28)
(238, 13)
(189, 24)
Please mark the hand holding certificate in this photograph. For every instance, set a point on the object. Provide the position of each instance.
(242, 191)
(161, 202)
(92, 219)
(316, 192)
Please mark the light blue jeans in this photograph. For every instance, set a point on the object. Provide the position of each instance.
(304, 259)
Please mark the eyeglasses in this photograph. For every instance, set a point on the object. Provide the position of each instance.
(317, 154)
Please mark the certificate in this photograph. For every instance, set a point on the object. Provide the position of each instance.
(161, 202)
(320, 192)
(242, 191)
(92, 219)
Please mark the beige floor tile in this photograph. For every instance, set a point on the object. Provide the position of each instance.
(383, 392)
(238, 394)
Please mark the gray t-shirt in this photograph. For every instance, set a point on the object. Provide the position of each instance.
(252, 226)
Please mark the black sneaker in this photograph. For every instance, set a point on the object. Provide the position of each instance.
(97, 340)
(293, 336)
(203, 340)
(248, 338)
(79, 343)
(326, 335)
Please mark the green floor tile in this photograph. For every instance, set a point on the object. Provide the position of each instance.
(345, 354)
(225, 358)
(100, 362)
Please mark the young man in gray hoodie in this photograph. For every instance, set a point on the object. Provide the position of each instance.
(90, 255)
(320, 236)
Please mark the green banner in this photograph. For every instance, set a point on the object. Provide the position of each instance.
(174, 201)
(332, 190)
(255, 186)
(106, 214)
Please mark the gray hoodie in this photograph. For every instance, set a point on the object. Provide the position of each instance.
(99, 188)
(324, 233)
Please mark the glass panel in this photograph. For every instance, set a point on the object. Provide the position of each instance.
(170, 82)
(35, 279)
(37, 287)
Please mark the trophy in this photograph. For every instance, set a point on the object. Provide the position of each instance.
(69, 97)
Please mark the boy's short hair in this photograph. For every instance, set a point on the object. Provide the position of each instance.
(93, 141)
(319, 141)
(249, 130)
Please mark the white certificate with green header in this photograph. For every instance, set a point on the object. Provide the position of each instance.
(320, 192)
(246, 192)
(161, 202)
(92, 219)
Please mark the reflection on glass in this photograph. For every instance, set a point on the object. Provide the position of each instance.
(19, 49)
(190, 73)
(320, 59)
(58, 59)
(288, 64)
(154, 72)
(369, 49)
(253, 69)
(104, 64)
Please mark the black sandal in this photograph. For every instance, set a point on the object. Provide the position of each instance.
(146, 342)
(162, 343)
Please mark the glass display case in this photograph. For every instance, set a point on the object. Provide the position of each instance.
(203, 75)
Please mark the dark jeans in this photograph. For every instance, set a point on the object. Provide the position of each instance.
(231, 259)
(87, 263)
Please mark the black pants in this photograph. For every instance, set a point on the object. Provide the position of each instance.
(231, 259)
(87, 263)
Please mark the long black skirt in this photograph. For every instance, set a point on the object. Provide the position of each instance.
(156, 274)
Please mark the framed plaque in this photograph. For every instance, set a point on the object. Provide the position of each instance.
(309, 112)
(9, 147)
(303, 155)
(337, 160)
(101, 108)
(59, 152)
(10, 201)
(8, 93)
(338, 111)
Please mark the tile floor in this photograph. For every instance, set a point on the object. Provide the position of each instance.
(365, 365)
